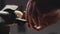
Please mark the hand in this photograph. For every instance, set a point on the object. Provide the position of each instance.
(19, 14)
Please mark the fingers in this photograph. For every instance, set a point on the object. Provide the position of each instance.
(19, 14)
